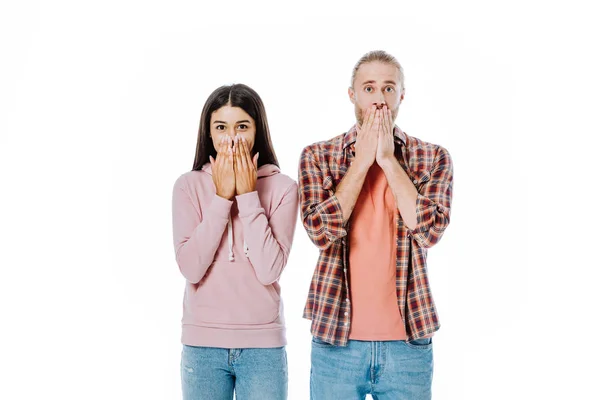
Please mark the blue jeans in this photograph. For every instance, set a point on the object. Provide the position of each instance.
(214, 373)
(387, 370)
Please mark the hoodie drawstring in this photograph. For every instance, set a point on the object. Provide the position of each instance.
(230, 241)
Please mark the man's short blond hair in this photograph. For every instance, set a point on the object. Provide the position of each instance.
(381, 56)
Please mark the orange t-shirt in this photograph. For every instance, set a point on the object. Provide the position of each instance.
(375, 312)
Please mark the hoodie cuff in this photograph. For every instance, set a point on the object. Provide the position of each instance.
(248, 203)
(220, 207)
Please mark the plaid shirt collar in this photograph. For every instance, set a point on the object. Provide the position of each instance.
(350, 136)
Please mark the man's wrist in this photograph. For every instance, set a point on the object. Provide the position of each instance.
(388, 163)
(361, 165)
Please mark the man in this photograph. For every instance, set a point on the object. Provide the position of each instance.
(373, 200)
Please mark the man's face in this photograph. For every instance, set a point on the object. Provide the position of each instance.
(376, 83)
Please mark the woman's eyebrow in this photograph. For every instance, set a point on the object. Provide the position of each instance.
(223, 122)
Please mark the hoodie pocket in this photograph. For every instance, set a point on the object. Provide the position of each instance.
(231, 294)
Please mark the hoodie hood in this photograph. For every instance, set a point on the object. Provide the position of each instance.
(263, 171)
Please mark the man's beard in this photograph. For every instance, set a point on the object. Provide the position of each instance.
(358, 112)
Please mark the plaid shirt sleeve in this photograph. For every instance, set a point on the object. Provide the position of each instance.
(433, 202)
(319, 207)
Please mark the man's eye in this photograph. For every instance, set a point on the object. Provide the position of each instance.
(389, 89)
(368, 89)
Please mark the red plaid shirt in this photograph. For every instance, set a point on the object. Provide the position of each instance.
(322, 167)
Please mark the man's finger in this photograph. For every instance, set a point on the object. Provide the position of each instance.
(386, 121)
(377, 121)
(366, 115)
(372, 113)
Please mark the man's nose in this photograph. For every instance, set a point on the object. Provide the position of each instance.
(380, 102)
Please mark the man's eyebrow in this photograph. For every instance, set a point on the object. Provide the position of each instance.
(372, 81)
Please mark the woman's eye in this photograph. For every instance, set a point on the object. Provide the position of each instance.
(242, 126)
(220, 127)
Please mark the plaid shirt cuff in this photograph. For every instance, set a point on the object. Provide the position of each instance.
(431, 221)
(332, 218)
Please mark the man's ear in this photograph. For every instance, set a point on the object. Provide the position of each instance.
(402, 95)
(351, 95)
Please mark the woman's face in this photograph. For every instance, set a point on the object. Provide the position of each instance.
(231, 121)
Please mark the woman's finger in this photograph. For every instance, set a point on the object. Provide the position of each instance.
(238, 153)
(229, 156)
(247, 161)
(221, 145)
(222, 154)
(229, 151)
(249, 152)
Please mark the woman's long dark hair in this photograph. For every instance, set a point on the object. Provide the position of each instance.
(247, 99)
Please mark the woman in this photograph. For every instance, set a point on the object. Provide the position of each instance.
(234, 217)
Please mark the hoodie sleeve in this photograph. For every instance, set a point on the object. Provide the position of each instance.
(269, 240)
(197, 235)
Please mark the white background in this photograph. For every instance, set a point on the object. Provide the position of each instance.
(99, 110)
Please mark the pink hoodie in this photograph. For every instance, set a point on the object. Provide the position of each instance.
(232, 254)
